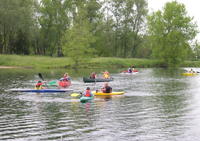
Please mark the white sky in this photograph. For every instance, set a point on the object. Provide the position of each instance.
(192, 7)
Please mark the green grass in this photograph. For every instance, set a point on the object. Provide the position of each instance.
(100, 62)
(33, 61)
(191, 64)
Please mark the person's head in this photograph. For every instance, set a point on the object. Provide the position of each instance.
(88, 88)
(39, 81)
(106, 84)
(66, 74)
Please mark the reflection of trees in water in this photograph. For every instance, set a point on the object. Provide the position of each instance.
(171, 100)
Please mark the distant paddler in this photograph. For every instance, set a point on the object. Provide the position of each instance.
(39, 85)
(106, 74)
(65, 81)
(93, 75)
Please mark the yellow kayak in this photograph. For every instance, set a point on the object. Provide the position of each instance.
(189, 74)
(113, 93)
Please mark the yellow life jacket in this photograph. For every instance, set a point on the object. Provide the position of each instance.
(106, 75)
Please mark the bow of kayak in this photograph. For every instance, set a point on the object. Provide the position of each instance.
(85, 98)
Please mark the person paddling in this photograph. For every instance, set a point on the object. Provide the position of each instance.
(38, 86)
(88, 92)
(93, 75)
(65, 77)
(65, 81)
(192, 71)
(130, 70)
(106, 88)
(106, 74)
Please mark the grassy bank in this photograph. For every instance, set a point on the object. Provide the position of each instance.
(63, 62)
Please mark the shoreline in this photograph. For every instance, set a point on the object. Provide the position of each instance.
(46, 62)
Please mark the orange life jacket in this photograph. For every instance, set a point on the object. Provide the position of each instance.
(87, 93)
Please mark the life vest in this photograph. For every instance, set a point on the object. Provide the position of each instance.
(105, 75)
(38, 86)
(87, 93)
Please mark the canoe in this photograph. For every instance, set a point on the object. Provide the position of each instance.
(189, 74)
(41, 90)
(64, 84)
(90, 80)
(85, 99)
(107, 94)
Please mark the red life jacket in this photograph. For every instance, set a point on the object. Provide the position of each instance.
(87, 93)
(38, 84)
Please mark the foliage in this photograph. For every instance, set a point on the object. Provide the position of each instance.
(170, 31)
(77, 40)
(16, 24)
(109, 28)
(54, 20)
(196, 50)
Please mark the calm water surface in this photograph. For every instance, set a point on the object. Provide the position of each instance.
(159, 105)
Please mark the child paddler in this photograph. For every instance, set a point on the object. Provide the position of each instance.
(39, 86)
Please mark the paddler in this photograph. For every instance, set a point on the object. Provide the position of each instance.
(65, 77)
(88, 92)
(93, 75)
(38, 86)
(130, 70)
(191, 71)
(106, 88)
(106, 74)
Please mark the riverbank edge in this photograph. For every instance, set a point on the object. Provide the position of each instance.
(45, 62)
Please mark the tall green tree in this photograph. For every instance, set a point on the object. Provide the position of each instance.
(171, 31)
(78, 39)
(54, 21)
(17, 20)
(129, 16)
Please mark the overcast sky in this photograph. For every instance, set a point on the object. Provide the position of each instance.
(192, 7)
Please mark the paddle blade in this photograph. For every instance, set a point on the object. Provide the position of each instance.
(75, 95)
(40, 76)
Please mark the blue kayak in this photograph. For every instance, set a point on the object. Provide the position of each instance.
(41, 90)
(85, 98)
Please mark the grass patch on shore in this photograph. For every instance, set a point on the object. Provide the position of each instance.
(64, 62)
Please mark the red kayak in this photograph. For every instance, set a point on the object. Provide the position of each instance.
(64, 84)
(126, 71)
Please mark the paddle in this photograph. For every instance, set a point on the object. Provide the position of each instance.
(41, 77)
(75, 95)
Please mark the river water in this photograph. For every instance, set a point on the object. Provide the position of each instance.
(158, 105)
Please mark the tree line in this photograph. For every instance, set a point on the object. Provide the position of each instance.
(82, 28)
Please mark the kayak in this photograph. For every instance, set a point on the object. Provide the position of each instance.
(64, 84)
(129, 73)
(126, 71)
(90, 80)
(85, 99)
(41, 90)
(106, 94)
(189, 74)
